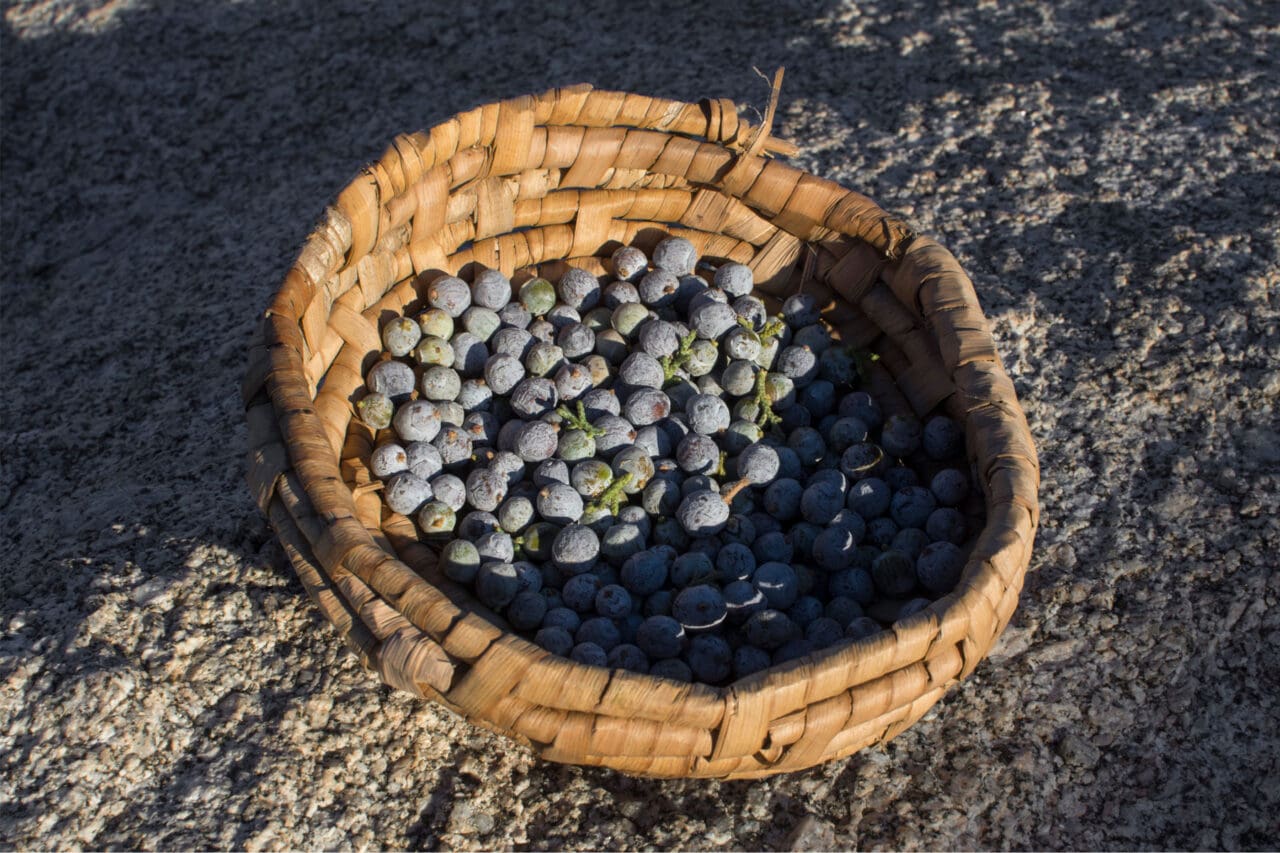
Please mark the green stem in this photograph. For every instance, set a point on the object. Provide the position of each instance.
(673, 364)
(767, 417)
(578, 420)
(613, 497)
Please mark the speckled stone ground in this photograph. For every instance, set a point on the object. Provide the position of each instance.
(1108, 175)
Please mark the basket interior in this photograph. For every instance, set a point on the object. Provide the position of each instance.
(528, 186)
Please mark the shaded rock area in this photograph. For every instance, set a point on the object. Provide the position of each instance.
(1106, 173)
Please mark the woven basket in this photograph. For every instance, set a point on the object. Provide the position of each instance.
(523, 186)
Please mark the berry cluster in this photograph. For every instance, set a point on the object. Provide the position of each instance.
(656, 474)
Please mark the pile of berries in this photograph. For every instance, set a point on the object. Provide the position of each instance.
(655, 474)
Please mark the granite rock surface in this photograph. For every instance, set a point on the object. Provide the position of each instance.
(1108, 174)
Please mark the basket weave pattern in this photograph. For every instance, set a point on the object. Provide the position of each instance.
(525, 186)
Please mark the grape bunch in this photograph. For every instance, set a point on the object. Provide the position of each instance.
(656, 474)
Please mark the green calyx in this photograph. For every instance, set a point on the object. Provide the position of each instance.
(613, 497)
(772, 328)
(673, 364)
(766, 417)
(862, 361)
(577, 419)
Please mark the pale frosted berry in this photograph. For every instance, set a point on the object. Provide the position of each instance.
(538, 296)
(436, 518)
(491, 289)
(436, 323)
(391, 378)
(676, 254)
(482, 323)
(534, 397)
(400, 335)
(388, 459)
(375, 410)
(579, 289)
(450, 294)
(405, 492)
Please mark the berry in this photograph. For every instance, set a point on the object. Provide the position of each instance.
(436, 518)
(869, 497)
(538, 296)
(713, 320)
(900, 436)
(526, 610)
(515, 514)
(618, 544)
(482, 323)
(590, 654)
(691, 569)
(436, 323)
(388, 459)
(400, 336)
(628, 262)
(417, 420)
(943, 439)
(769, 629)
(842, 610)
(644, 572)
(661, 637)
(894, 574)
(782, 499)
(646, 406)
(641, 370)
(629, 657)
(862, 406)
(910, 541)
(675, 254)
(620, 293)
(699, 608)
(392, 378)
(949, 486)
(460, 561)
(861, 628)
(534, 397)
(558, 641)
(503, 372)
(778, 583)
(490, 290)
(450, 294)
(486, 489)
(734, 279)
(748, 660)
(575, 549)
(613, 601)
(559, 503)
(599, 630)
(833, 549)
(939, 566)
(405, 492)
(946, 525)
(551, 471)
(710, 659)
(820, 502)
(576, 340)
(703, 513)
(707, 415)
(856, 584)
(910, 507)
(735, 562)
(672, 668)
